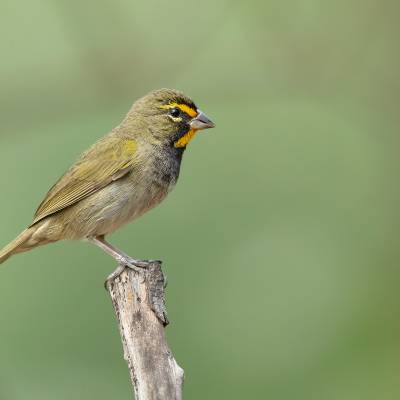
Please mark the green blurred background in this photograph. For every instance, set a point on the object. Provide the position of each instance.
(280, 241)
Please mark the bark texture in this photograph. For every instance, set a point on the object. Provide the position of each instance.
(138, 299)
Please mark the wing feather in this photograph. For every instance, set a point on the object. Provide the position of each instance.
(105, 162)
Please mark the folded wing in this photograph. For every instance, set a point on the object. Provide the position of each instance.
(104, 163)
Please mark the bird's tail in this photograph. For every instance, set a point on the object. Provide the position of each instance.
(18, 245)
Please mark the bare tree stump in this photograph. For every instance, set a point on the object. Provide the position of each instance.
(138, 299)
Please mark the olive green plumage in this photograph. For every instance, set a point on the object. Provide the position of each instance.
(120, 177)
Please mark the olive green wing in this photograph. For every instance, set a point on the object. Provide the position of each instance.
(106, 162)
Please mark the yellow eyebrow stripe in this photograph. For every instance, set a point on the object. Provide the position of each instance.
(183, 107)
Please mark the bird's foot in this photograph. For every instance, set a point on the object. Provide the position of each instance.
(128, 262)
(134, 264)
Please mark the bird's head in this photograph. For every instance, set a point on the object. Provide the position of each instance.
(170, 117)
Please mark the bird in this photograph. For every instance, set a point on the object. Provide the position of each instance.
(118, 179)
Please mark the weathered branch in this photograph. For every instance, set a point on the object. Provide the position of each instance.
(138, 299)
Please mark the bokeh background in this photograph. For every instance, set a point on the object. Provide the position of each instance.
(281, 240)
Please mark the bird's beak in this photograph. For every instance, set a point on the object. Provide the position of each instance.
(201, 122)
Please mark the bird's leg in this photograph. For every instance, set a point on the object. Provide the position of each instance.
(156, 279)
(116, 253)
(123, 259)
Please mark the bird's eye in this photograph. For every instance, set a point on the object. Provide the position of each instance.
(175, 112)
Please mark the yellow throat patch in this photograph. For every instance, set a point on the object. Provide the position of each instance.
(184, 140)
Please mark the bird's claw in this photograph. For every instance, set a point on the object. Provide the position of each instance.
(131, 263)
(140, 263)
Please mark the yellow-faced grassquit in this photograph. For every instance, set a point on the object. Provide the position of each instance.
(123, 175)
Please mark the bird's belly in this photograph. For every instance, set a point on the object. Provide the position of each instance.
(112, 207)
(127, 205)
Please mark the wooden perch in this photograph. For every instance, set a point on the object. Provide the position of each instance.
(138, 299)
